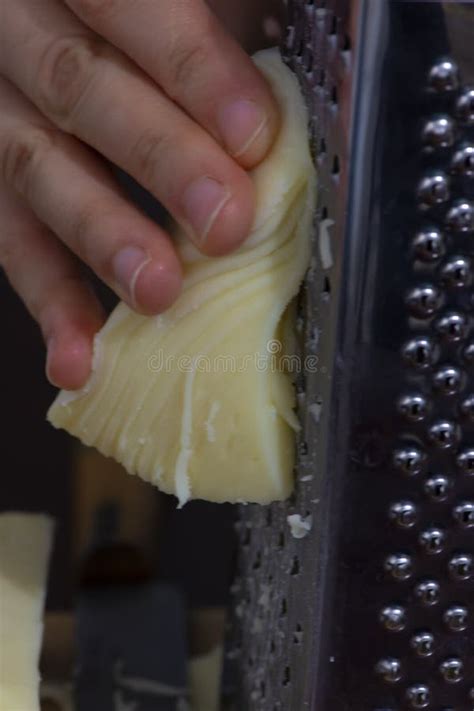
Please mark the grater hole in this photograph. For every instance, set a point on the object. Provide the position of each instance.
(283, 607)
(309, 63)
(322, 77)
(346, 44)
(286, 676)
(247, 536)
(263, 690)
(300, 386)
(326, 288)
(295, 566)
(334, 96)
(281, 540)
(272, 646)
(298, 634)
(303, 448)
(333, 28)
(322, 147)
(250, 661)
(300, 48)
(335, 165)
(258, 561)
(300, 304)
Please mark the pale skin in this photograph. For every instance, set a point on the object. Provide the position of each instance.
(157, 87)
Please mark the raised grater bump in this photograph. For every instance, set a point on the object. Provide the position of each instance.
(439, 132)
(427, 592)
(465, 106)
(428, 244)
(456, 272)
(423, 644)
(403, 513)
(379, 598)
(418, 696)
(462, 162)
(438, 487)
(456, 618)
(389, 669)
(393, 618)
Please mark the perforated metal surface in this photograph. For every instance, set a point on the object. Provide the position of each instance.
(278, 586)
(372, 611)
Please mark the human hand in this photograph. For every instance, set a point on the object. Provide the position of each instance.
(156, 87)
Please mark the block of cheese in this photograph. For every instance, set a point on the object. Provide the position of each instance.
(197, 400)
(25, 546)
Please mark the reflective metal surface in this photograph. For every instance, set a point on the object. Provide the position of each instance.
(383, 595)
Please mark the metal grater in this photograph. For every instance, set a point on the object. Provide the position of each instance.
(373, 609)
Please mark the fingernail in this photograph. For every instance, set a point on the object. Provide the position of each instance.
(241, 122)
(68, 361)
(50, 346)
(202, 202)
(127, 265)
(158, 287)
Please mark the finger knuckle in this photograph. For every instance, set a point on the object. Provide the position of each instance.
(96, 9)
(21, 155)
(47, 306)
(148, 154)
(13, 253)
(7, 255)
(85, 231)
(185, 62)
(66, 71)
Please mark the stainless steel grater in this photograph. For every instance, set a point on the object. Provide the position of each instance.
(373, 609)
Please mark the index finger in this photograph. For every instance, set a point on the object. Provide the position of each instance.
(182, 46)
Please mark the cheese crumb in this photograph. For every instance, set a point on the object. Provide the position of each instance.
(325, 251)
(300, 527)
(315, 410)
(183, 489)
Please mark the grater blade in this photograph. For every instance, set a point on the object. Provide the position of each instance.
(372, 610)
